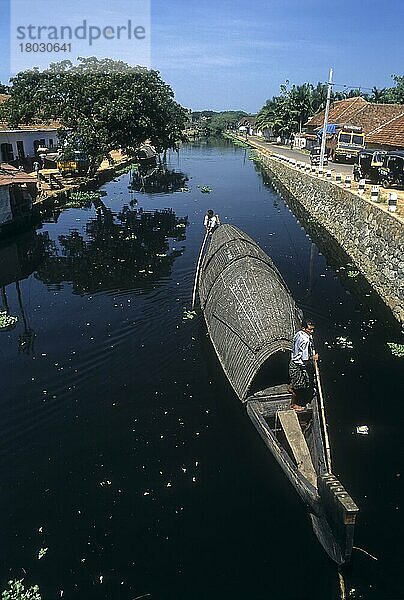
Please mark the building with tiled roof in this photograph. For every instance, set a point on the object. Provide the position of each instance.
(389, 136)
(17, 190)
(341, 111)
(382, 124)
(9, 175)
(19, 143)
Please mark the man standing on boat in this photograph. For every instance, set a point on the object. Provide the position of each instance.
(301, 366)
(211, 221)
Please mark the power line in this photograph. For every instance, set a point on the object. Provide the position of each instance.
(348, 85)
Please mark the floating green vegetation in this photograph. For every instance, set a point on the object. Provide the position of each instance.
(396, 349)
(205, 189)
(189, 314)
(79, 199)
(343, 342)
(16, 591)
(352, 273)
(6, 320)
(42, 553)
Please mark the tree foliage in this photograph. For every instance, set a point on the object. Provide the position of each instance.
(101, 105)
(210, 122)
(390, 95)
(287, 113)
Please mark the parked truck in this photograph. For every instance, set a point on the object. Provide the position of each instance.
(343, 142)
(73, 162)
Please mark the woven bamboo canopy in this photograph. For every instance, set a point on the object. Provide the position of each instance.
(248, 309)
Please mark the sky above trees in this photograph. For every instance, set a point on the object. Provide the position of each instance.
(230, 54)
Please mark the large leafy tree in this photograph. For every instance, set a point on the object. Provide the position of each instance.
(101, 105)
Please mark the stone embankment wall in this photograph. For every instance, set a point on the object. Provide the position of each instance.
(372, 237)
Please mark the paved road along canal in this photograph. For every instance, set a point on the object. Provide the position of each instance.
(127, 464)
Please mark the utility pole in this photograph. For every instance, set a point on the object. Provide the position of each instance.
(327, 108)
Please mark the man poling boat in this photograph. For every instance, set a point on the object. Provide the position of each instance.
(252, 320)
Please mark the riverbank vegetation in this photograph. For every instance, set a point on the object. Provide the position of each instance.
(211, 123)
(286, 113)
(100, 105)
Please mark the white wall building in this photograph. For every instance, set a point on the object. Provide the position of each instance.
(21, 143)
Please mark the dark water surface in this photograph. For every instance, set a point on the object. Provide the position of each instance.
(124, 452)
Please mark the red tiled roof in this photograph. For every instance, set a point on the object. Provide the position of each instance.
(373, 115)
(390, 133)
(341, 111)
(10, 175)
(249, 120)
(31, 127)
(378, 121)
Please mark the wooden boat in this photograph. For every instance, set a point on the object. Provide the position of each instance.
(251, 319)
(146, 153)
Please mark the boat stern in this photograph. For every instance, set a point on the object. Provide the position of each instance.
(335, 530)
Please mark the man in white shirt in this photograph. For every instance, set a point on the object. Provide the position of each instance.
(211, 221)
(301, 370)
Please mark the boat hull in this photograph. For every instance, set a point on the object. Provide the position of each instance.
(251, 320)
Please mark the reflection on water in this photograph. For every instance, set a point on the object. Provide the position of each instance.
(20, 257)
(18, 260)
(117, 251)
(157, 180)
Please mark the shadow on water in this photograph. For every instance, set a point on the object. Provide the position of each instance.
(120, 251)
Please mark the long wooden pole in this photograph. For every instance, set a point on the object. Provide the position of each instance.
(198, 266)
(323, 419)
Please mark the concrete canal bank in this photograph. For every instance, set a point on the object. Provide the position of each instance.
(366, 231)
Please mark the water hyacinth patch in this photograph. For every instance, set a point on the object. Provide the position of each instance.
(42, 553)
(396, 349)
(17, 591)
(343, 342)
(82, 199)
(7, 321)
(189, 314)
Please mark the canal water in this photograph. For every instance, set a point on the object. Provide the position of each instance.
(128, 467)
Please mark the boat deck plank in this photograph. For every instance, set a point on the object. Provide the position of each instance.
(293, 432)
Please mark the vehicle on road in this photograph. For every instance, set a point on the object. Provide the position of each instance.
(391, 172)
(75, 162)
(343, 142)
(367, 165)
